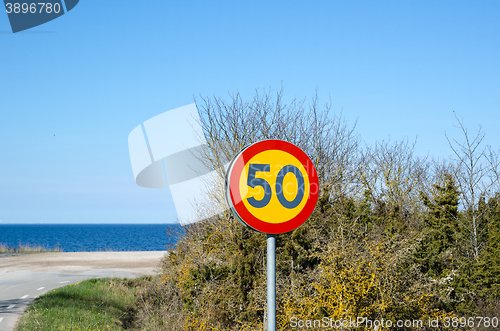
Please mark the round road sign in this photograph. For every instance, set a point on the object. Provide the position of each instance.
(272, 186)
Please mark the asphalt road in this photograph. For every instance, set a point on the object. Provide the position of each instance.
(23, 277)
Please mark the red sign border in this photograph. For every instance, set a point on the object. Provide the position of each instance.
(234, 177)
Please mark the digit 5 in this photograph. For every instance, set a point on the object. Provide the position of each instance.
(254, 182)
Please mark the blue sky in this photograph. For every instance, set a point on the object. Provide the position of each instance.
(399, 68)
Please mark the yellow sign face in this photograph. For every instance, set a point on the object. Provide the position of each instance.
(274, 211)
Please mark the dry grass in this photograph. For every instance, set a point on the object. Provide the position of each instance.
(158, 306)
(25, 248)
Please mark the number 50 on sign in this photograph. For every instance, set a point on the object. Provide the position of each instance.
(272, 186)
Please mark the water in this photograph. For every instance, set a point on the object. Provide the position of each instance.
(91, 237)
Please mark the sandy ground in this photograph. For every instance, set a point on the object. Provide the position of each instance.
(76, 262)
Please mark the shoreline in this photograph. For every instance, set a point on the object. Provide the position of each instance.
(75, 262)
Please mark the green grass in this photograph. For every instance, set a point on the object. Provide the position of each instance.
(95, 304)
(23, 248)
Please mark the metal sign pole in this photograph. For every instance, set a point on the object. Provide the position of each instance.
(257, 212)
(271, 282)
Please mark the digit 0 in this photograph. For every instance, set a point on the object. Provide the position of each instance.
(254, 182)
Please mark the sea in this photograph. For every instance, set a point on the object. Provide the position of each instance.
(92, 237)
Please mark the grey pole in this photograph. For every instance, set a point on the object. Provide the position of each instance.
(271, 282)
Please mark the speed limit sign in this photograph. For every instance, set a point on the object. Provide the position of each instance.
(272, 186)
